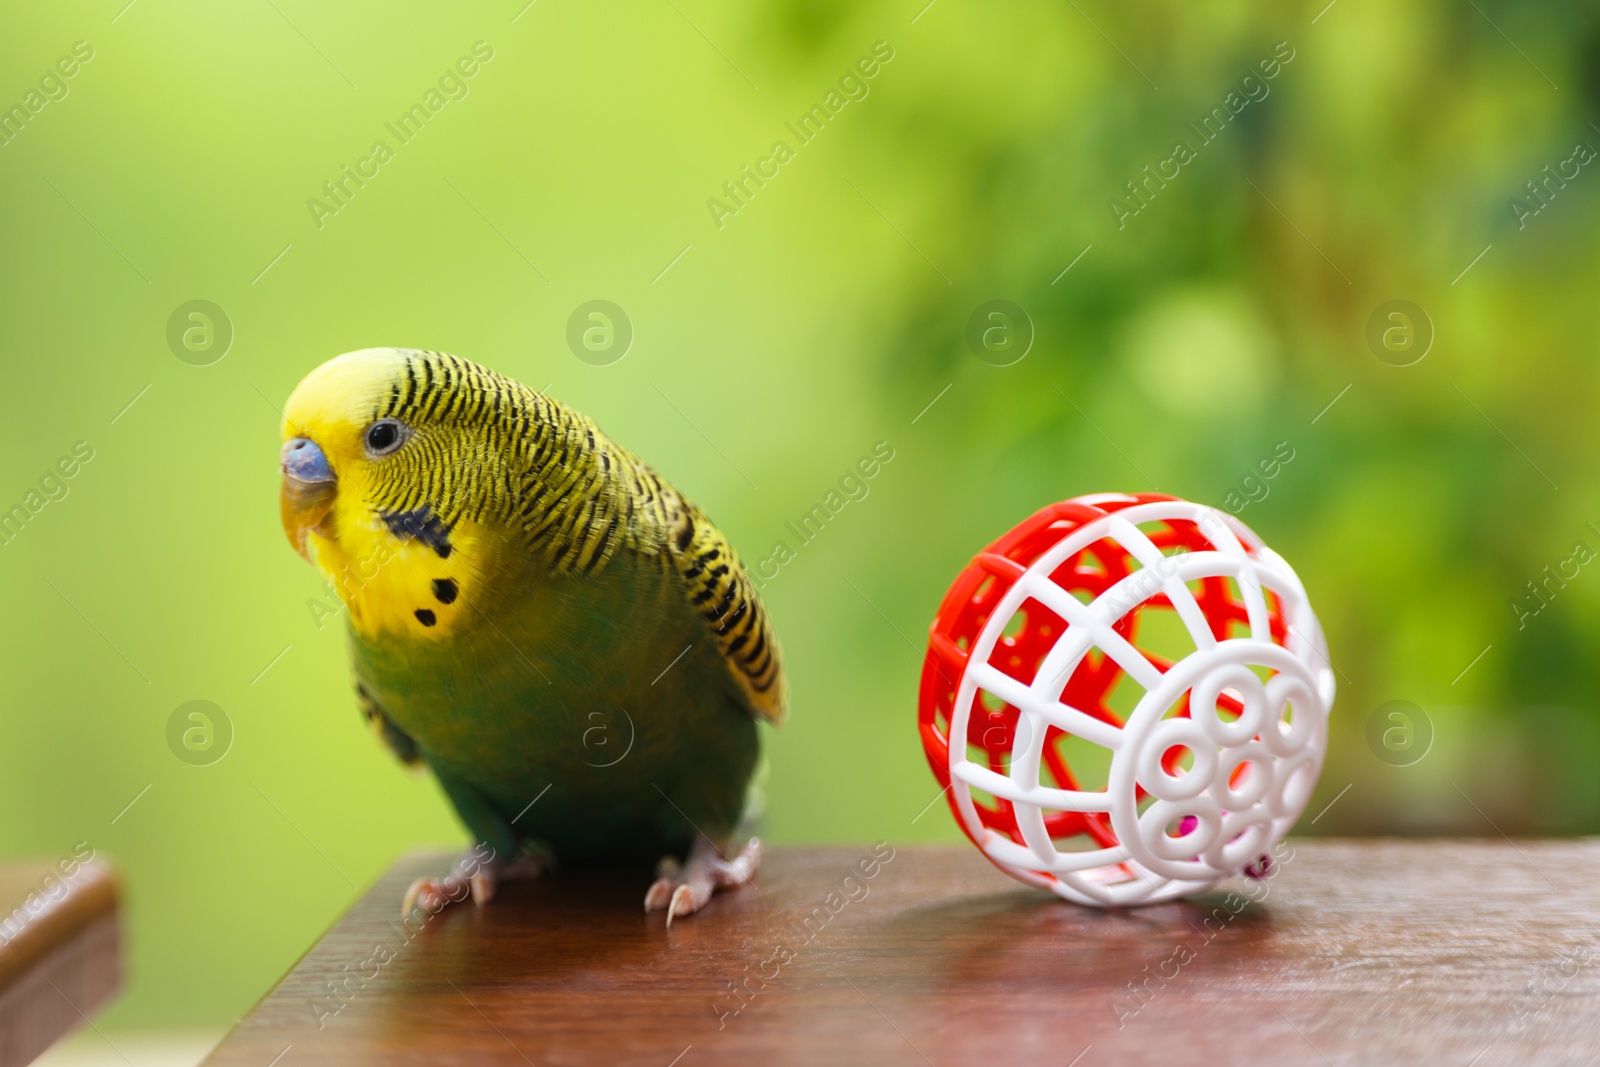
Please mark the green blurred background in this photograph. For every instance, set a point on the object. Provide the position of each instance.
(1180, 349)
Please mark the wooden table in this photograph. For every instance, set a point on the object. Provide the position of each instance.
(59, 958)
(1421, 952)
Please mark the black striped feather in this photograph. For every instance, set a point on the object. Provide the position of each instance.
(491, 450)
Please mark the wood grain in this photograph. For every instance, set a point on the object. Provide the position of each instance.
(59, 955)
(1429, 952)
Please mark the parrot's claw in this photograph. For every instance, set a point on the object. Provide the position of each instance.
(483, 886)
(431, 894)
(663, 887)
(685, 890)
(683, 903)
(434, 894)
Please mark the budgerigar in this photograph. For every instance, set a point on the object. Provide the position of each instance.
(515, 581)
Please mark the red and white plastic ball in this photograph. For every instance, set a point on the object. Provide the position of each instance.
(1127, 697)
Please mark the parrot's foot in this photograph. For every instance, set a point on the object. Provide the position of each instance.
(480, 884)
(684, 889)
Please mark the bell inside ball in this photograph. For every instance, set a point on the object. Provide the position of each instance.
(1127, 698)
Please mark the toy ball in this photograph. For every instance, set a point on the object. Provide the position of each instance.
(1126, 698)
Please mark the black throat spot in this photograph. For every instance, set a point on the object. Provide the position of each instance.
(420, 524)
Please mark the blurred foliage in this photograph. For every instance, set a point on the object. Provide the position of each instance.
(1228, 315)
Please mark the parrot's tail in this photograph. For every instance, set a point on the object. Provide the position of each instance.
(755, 802)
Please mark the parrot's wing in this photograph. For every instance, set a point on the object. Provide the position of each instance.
(721, 592)
(399, 742)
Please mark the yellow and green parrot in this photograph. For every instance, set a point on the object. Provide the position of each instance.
(513, 579)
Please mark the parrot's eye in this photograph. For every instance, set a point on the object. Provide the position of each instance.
(384, 436)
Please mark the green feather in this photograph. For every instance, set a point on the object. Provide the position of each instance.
(505, 716)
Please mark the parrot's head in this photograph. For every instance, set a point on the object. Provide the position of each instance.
(387, 459)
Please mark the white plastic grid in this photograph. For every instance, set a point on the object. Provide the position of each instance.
(1231, 826)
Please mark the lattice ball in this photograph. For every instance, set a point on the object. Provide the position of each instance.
(1127, 699)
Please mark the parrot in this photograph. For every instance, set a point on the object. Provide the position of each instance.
(522, 597)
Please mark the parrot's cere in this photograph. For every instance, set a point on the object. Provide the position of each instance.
(513, 578)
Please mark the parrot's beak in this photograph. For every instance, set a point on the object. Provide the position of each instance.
(309, 489)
